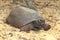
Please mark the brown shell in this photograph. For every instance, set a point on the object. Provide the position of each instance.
(22, 16)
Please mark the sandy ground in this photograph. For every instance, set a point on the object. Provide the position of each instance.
(50, 10)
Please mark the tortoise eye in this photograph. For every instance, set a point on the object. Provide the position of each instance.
(42, 22)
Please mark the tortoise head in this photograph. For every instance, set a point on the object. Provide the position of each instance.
(38, 24)
(44, 25)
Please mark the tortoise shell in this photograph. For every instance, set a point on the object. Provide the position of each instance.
(22, 16)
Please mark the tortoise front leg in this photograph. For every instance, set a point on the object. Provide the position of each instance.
(27, 27)
(46, 27)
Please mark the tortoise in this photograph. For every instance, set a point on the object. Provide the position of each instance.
(26, 19)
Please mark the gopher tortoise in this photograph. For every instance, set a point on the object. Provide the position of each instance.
(26, 19)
